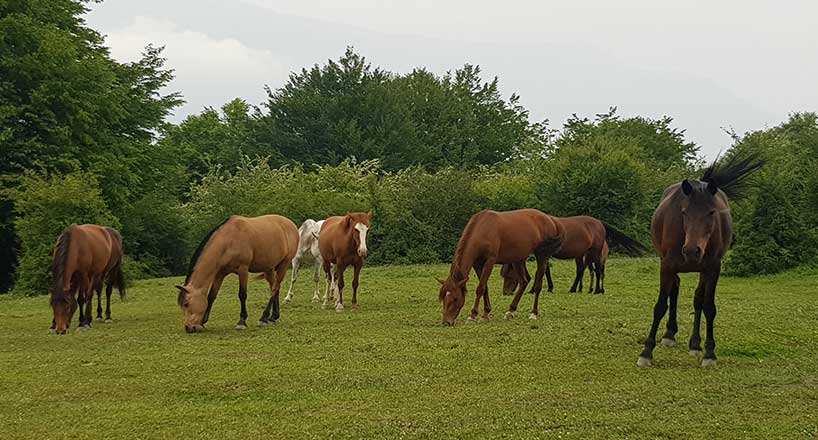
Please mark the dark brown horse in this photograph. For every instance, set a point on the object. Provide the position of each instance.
(84, 257)
(240, 245)
(692, 230)
(491, 238)
(585, 238)
(342, 242)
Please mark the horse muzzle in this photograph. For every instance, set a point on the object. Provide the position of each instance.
(692, 254)
(362, 252)
(194, 329)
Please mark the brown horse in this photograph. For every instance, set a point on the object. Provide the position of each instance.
(342, 242)
(240, 245)
(83, 257)
(585, 238)
(491, 238)
(692, 230)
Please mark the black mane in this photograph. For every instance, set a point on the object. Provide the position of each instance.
(730, 173)
(198, 252)
(58, 265)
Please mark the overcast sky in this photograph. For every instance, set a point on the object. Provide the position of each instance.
(743, 65)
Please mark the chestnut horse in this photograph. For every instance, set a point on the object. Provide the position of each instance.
(84, 257)
(692, 230)
(585, 238)
(342, 242)
(491, 238)
(240, 245)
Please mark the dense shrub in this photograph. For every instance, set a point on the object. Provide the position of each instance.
(44, 207)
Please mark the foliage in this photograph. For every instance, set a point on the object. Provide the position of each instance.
(44, 207)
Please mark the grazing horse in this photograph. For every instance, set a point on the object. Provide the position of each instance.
(342, 243)
(84, 257)
(307, 250)
(240, 245)
(491, 238)
(692, 230)
(585, 237)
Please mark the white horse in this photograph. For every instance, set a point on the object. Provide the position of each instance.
(307, 250)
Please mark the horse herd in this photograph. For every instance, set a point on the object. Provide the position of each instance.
(691, 230)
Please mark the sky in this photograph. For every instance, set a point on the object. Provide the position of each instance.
(711, 66)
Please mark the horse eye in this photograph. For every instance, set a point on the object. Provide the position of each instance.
(713, 212)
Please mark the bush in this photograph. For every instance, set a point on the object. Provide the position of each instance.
(45, 205)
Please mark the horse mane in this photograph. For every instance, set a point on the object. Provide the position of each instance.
(58, 265)
(615, 237)
(455, 274)
(198, 252)
(730, 173)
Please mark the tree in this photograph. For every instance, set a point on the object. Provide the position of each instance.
(65, 106)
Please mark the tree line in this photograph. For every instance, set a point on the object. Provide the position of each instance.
(84, 138)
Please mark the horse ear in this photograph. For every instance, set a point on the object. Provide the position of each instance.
(712, 188)
(182, 288)
(687, 188)
(462, 282)
(440, 281)
(348, 220)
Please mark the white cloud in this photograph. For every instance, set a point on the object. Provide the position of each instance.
(209, 71)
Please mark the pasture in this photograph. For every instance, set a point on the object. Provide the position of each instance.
(390, 370)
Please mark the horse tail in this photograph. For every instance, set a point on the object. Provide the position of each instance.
(58, 263)
(116, 277)
(730, 174)
(615, 237)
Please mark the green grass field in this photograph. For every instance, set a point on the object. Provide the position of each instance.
(390, 370)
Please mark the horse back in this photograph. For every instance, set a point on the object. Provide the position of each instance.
(91, 249)
(259, 242)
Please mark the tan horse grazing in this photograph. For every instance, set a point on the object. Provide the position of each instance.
(84, 257)
(490, 238)
(342, 242)
(692, 230)
(240, 245)
(585, 238)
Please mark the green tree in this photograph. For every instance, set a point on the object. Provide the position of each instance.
(65, 105)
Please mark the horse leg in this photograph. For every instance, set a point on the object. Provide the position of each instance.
(339, 269)
(666, 285)
(98, 288)
(669, 338)
(330, 283)
(109, 288)
(72, 298)
(695, 343)
(578, 277)
(355, 275)
(316, 297)
(293, 277)
(243, 275)
(547, 277)
(591, 271)
(280, 274)
(478, 270)
(211, 296)
(541, 262)
(709, 309)
(598, 268)
(88, 296)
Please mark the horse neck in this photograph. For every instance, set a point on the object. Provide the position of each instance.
(207, 265)
(462, 262)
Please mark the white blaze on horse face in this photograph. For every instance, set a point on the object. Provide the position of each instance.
(362, 230)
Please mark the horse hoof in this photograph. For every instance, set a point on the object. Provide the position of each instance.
(695, 353)
(287, 300)
(339, 308)
(486, 318)
(262, 323)
(316, 300)
(241, 327)
(508, 315)
(532, 316)
(108, 320)
(84, 328)
(708, 362)
(99, 318)
(356, 307)
(471, 320)
(667, 342)
(643, 362)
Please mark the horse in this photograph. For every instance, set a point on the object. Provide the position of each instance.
(83, 257)
(307, 250)
(239, 245)
(691, 230)
(585, 237)
(342, 243)
(490, 238)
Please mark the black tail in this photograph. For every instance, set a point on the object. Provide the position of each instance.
(730, 173)
(617, 238)
(59, 257)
